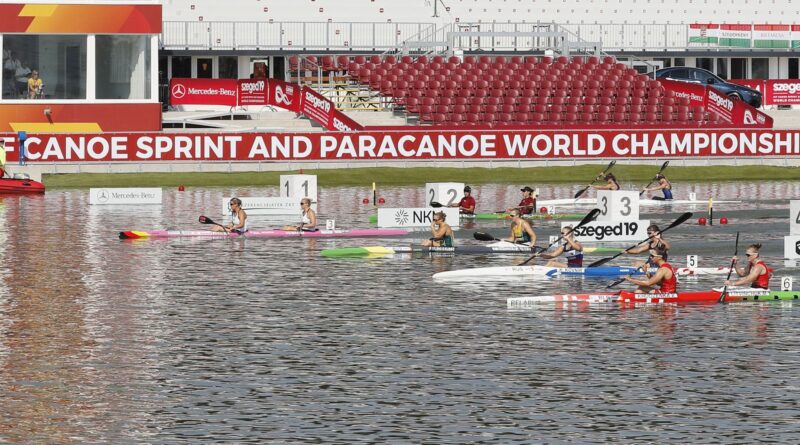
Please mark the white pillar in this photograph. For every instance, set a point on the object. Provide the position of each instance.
(91, 63)
(154, 68)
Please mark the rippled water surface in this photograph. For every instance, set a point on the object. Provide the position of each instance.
(264, 341)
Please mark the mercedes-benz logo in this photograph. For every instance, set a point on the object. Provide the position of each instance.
(178, 91)
(401, 217)
(102, 195)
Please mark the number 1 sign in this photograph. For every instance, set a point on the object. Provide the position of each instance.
(299, 186)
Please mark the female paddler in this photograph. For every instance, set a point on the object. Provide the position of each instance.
(238, 221)
(521, 230)
(442, 234)
(308, 219)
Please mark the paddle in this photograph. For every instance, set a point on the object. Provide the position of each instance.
(586, 219)
(663, 166)
(436, 204)
(620, 280)
(583, 190)
(735, 254)
(675, 223)
(206, 220)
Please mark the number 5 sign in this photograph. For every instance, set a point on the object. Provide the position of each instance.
(299, 186)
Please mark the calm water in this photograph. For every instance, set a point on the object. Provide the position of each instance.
(264, 341)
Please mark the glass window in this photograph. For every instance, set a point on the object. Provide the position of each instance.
(228, 67)
(181, 66)
(679, 61)
(59, 61)
(665, 62)
(738, 68)
(722, 67)
(123, 67)
(205, 68)
(793, 68)
(706, 63)
(760, 68)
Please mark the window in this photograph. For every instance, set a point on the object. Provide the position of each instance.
(760, 68)
(666, 62)
(228, 67)
(722, 67)
(205, 68)
(123, 67)
(738, 68)
(793, 68)
(181, 66)
(706, 63)
(679, 61)
(60, 61)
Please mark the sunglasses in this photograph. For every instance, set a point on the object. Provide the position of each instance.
(751, 254)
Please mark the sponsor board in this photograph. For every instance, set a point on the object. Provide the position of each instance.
(410, 145)
(597, 231)
(202, 91)
(253, 92)
(111, 196)
(721, 104)
(267, 205)
(316, 106)
(284, 95)
(791, 247)
(415, 217)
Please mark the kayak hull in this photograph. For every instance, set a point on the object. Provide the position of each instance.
(536, 271)
(642, 202)
(630, 298)
(344, 233)
(495, 216)
(10, 186)
(498, 248)
(695, 271)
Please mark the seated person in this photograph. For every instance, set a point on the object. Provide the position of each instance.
(35, 86)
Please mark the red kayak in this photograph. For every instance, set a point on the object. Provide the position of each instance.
(12, 186)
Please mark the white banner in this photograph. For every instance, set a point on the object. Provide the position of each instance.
(267, 205)
(415, 217)
(597, 231)
(108, 196)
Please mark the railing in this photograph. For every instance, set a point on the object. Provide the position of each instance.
(288, 36)
(424, 37)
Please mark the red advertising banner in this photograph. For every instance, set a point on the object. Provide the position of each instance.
(317, 107)
(775, 91)
(202, 92)
(59, 18)
(253, 91)
(731, 111)
(695, 92)
(284, 95)
(410, 145)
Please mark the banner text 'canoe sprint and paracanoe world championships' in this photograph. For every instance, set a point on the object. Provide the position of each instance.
(484, 145)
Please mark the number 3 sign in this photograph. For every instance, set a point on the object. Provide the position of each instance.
(618, 205)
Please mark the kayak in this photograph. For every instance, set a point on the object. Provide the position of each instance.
(343, 233)
(627, 298)
(493, 216)
(642, 202)
(501, 248)
(536, 271)
(694, 271)
(12, 185)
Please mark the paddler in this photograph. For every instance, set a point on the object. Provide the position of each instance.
(572, 249)
(611, 183)
(238, 221)
(442, 234)
(664, 185)
(521, 230)
(308, 219)
(528, 203)
(3, 159)
(664, 277)
(467, 204)
(757, 273)
(656, 241)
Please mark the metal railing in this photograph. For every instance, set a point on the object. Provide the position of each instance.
(287, 36)
(425, 37)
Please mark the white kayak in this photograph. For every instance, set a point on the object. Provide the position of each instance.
(535, 271)
(642, 202)
(694, 271)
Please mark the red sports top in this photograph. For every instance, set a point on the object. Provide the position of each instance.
(527, 205)
(763, 280)
(467, 201)
(669, 285)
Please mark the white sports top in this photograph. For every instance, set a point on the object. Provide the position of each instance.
(235, 221)
(306, 219)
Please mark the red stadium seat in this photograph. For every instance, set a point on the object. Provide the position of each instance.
(456, 118)
(490, 109)
(524, 100)
(575, 100)
(634, 118)
(507, 108)
(608, 60)
(667, 109)
(360, 60)
(571, 117)
(522, 108)
(592, 60)
(412, 105)
(469, 59)
(489, 118)
(459, 109)
(522, 118)
(475, 109)
(537, 118)
(442, 109)
(574, 109)
(531, 59)
(439, 119)
(426, 113)
(504, 118)
(444, 100)
(667, 117)
(587, 117)
(540, 108)
(618, 117)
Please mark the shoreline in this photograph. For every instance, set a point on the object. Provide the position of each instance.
(399, 176)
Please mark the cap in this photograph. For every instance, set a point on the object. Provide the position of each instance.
(526, 189)
(467, 189)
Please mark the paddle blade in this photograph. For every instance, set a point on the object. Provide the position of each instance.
(591, 216)
(436, 205)
(205, 220)
(663, 166)
(610, 165)
(681, 219)
(581, 191)
(480, 236)
(615, 283)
